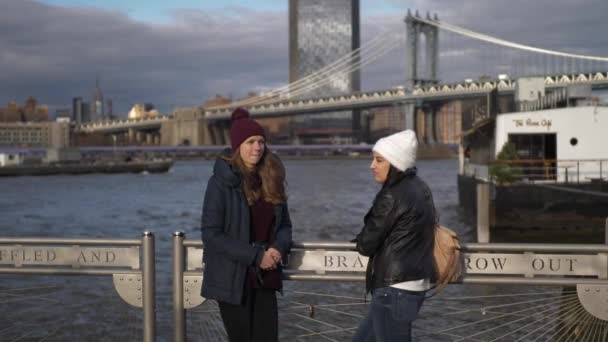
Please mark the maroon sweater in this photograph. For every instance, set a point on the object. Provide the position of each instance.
(262, 220)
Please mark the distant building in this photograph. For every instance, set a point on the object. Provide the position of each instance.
(217, 101)
(98, 112)
(34, 134)
(142, 111)
(86, 112)
(109, 109)
(11, 113)
(30, 106)
(30, 112)
(41, 114)
(321, 32)
(63, 115)
(77, 110)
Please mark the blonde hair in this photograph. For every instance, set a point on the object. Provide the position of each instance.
(266, 180)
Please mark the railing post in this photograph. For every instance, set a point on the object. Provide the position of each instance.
(179, 313)
(483, 212)
(606, 232)
(578, 172)
(460, 160)
(601, 176)
(149, 287)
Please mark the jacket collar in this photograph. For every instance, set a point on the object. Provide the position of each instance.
(395, 176)
(226, 172)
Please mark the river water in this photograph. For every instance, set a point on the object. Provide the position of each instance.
(328, 199)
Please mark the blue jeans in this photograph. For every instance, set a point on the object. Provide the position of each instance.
(390, 316)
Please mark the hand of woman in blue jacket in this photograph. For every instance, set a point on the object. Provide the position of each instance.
(268, 262)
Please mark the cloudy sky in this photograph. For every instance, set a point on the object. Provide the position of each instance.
(181, 52)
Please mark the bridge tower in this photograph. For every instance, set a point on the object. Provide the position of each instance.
(415, 28)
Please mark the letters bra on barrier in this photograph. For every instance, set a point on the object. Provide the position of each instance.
(525, 264)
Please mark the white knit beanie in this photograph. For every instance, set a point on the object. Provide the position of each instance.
(399, 149)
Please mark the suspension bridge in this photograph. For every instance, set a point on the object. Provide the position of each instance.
(448, 75)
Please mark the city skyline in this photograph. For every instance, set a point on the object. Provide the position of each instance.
(182, 54)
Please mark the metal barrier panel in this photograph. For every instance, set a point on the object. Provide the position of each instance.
(119, 258)
(583, 266)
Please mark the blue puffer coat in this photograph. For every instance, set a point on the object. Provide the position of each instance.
(225, 228)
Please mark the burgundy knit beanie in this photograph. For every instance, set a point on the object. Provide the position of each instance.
(243, 127)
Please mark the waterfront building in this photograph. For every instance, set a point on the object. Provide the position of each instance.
(545, 161)
(9, 159)
(320, 32)
(34, 134)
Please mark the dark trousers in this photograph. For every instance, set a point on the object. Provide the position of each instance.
(256, 320)
(390, 316)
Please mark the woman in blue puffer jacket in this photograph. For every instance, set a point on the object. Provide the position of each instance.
(246, 232)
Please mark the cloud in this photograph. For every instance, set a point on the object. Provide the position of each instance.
(54, 53)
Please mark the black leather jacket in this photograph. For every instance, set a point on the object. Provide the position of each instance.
(398, 235)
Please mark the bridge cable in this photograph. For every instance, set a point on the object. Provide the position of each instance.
(483, 37)
(340, 66)
(345, 59)
(362, 62)
(328, 75)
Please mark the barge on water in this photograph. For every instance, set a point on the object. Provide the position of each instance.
(75, 169)
(547, 166)
(69, 161)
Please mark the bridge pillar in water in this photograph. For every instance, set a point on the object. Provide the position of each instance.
(220, 132)
(226, 132)
(188, 127)
(139, 137)
(131, 136)
(212, 133)
(216, 133)
(410, 116)
(429, 125)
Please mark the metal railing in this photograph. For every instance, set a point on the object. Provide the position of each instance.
(583, 266)
(555, 170)
(119, 258)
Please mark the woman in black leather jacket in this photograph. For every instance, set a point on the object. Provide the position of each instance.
(398, 238)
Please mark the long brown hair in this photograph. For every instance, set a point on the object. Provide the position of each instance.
(266, 180)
